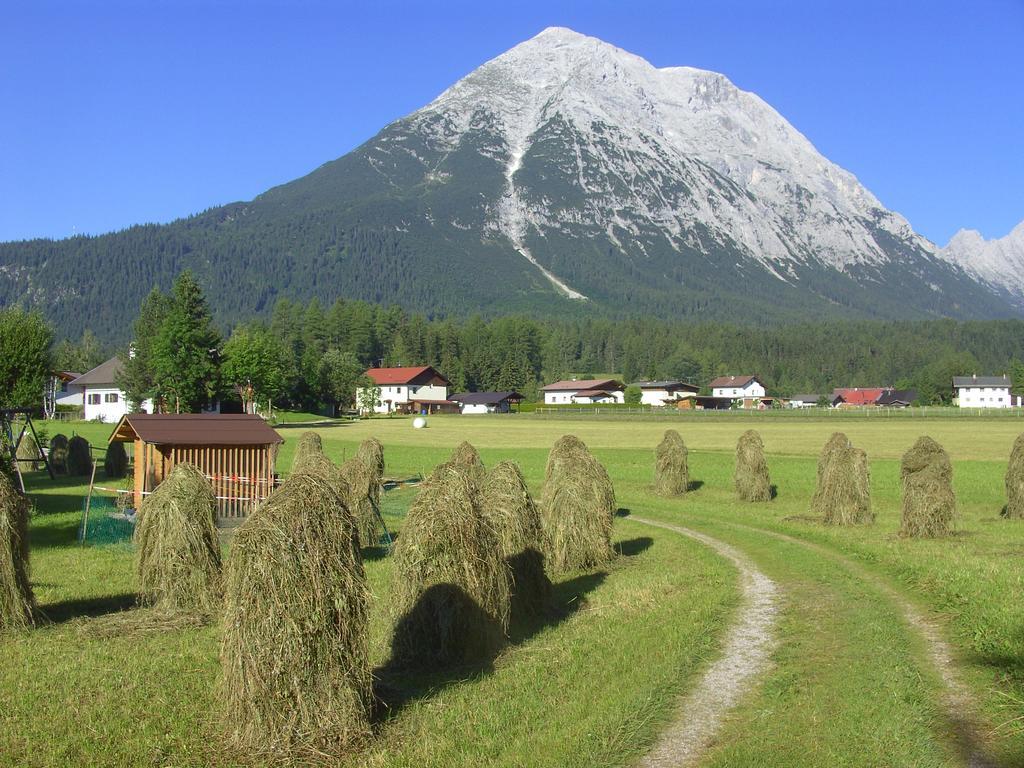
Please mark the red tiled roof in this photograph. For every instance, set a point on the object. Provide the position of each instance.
(392, 376)
(582, 384)
(732, 381)
(858, 396)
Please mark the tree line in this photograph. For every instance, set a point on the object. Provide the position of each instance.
(310, 357)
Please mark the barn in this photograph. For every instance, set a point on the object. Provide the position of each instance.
(236, 452)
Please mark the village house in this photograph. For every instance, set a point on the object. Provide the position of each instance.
(101, 398)
(803, 401)
(855, 397)
(984, 392)
(897, 398)
(412, 389)
(661, 393)
(584, 391)
(748, 389)
(486, 402)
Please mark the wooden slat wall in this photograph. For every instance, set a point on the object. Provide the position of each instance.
(242, 476)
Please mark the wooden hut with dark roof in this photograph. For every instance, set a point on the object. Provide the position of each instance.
(236, 452)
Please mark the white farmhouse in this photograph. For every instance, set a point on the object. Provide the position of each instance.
(584, 391)
(486, 402)
(101, 398)
(738, 388)
(660, 393)
(984, 392)
(415, 389)
(804, 401)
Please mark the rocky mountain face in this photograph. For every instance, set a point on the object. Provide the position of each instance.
(564, 176)
(998, 263)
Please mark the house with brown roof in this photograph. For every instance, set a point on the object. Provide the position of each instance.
(410, 389)
(570, 391)
(101, 398)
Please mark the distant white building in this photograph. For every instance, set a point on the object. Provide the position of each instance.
(738, 387)
(984, 392)
(101, 399)
(804, 401)
(584, 391)
(660, 393)
(415, 389)
(486, 402)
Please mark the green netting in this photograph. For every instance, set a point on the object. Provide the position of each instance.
(106, 524)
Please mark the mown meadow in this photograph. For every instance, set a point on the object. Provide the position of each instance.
(594, 683)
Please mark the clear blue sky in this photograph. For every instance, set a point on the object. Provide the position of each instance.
(114, 113)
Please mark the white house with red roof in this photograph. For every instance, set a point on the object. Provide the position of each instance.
(411, 389)
(584, 391)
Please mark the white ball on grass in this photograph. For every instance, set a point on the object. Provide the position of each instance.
(419, 422)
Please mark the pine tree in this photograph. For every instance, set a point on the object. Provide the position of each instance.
(138, 377)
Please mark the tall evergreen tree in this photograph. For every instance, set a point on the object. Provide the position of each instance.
(185, 351)
(138, 376)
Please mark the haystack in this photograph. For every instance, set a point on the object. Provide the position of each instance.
(751, 475)
(79, 456)
(58, 453)
(1015, 480)
(929, 503)
(363, 499)
(295, 651)
(466, 458)
(115, 463)
(671, 466)
(309, 444)
(28, 450)
(577, 508)
(371, 453)
(177, 550)
(17, 603)
(506, 503)
(843, 493)
(451, 584)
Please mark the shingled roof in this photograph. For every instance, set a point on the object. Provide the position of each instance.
(194, 429)
(102, 374)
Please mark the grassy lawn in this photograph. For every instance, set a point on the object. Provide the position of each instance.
(850, 682)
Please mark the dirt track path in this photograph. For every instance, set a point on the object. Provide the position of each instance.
(746, 654)
(960, 706)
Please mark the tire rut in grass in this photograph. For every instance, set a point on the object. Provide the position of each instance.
(746, 654)
(959, 704)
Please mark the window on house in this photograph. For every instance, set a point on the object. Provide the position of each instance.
(94, 399)
(110, 397)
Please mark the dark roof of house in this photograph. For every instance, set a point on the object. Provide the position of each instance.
(593, 393)
(484, 398)
(806, 398)
(576, 385)
(733, 381)
(897, 397)
(665, 385)
(981, 381)
(104, 373)
(195, 429)
(401, 375)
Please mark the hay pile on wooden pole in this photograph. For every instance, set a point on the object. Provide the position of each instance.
(177, 550)
(363, 499)
(577, 508)
(28, 450)
(308, 445)
(296, 679)
(59, 453)
(929, 503)
(671, 465)
(451, 585)
(506, 503)
(371, 453)
(843, 493)
(1015, 481)
(115, 463)
(466, 458)
(751, 475)
(17, 603)
(79, 460)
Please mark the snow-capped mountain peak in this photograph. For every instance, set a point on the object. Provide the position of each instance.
(998, 262)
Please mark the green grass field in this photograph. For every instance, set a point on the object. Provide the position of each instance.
(850, 682)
